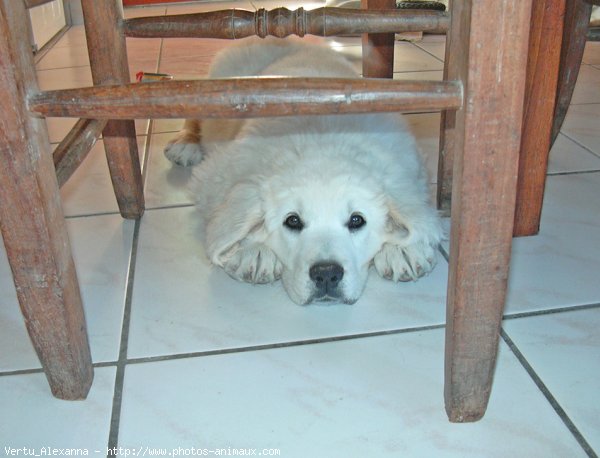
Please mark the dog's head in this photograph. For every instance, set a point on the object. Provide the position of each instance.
(317, 231)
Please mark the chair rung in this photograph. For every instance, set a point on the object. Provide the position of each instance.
(247, 97)
(74, 148)
(282, 22)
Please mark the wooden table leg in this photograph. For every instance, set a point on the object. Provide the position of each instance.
(545, 40)
(490, 40)
(378, 48)
(32, 222)
(108, 59)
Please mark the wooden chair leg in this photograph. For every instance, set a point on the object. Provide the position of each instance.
(545, 40)
(32, 222)
(108, 59)
(447, 129)
(576, 23)
(490, 39)
(378, 48)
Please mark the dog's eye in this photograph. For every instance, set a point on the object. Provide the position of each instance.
(293, 222)
(356, 221)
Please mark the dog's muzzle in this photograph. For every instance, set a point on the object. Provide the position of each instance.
(326, 277)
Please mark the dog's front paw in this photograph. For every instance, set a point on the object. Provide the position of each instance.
(406, 263)
(184, 151)
(254, 264)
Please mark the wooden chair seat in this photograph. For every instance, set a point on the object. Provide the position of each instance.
(481, 96)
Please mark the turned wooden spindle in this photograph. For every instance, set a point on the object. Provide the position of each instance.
(281, 22)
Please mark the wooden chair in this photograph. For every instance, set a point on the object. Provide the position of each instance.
(482, 94)
(556, 44)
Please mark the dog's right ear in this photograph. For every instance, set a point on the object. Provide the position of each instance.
(238, 218)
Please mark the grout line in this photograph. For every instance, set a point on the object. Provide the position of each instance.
(123, 360)
(170, 207)
(578, 104)
(418, 71)
(271, 346)
(445, 255)
(432, 55)
(573, 308)
(575, 172)
(548, 395)
(62, 68)
(41, 53)
(146, 160)
(115, 419)
(427, 52)
(40, 370)
(574, 140)
(160, 54)
(91, 215)
(105, 364)
(166, 131)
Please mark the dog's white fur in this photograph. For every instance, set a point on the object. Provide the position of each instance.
(255, 173)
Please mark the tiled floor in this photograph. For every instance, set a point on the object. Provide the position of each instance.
(186, 357)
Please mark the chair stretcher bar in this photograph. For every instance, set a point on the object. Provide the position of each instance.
(281, 22)
(246, 98)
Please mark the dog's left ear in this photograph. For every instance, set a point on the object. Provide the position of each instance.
(407, 223)
(238, 218)
(396, 226)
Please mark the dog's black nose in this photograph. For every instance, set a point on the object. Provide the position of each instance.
(326, 275)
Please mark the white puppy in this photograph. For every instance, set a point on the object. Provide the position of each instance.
(313, 200)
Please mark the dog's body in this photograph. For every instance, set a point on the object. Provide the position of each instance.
(312, 200)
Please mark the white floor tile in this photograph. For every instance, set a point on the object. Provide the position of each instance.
(73, 37)
(408, 57)
(586, 89)
(379, 396)
(562, 348)
(582, 124)
(181, 304)
(35, 422)
(64, 78)
(431, 75)
(58, 128)
(438, 49)
(559, 267)
(89, 191)
(101, 249)
(66, 56)
(568, 156)
(591, 56)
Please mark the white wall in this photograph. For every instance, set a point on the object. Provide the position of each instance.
(46, 21)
